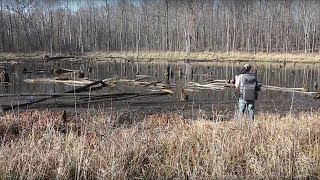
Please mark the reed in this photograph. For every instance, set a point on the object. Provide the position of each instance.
(101, 145)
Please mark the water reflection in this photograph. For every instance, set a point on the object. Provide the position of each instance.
(173, 74)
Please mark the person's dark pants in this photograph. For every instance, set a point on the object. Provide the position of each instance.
(246, 105)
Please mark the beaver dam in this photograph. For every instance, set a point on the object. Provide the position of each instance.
(184, 87)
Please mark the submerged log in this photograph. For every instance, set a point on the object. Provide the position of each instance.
(57, 57)
(82, 88)
(123, 96)
(96, 97)
(24, 70)
(54, 94)
(71, 74)
(5, 83)
(141, 77)
(63, 70)
(152, 83)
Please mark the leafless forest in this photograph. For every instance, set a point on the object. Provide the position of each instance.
(283, 26)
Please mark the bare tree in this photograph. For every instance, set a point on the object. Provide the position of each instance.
(159, 25)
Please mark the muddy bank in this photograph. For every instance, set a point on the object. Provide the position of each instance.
(139, 107)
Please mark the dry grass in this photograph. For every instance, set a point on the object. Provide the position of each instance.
(37, 145)
(233, 56)
(168, 55)
(26, 56)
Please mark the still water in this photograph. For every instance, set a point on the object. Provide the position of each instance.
(180, 73)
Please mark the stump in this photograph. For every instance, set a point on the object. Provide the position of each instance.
(4, 76)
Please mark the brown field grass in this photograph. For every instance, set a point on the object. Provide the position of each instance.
(169, 55)
(38, 145)
(231, 56)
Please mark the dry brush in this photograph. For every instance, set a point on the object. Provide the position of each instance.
(100, 145)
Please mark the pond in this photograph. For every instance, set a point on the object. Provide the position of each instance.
(282, 74)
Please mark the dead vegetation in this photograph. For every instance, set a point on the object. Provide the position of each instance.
(174, 56)
(99, 145)
(209, 56)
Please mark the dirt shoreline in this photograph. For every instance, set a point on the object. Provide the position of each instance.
(175, 56)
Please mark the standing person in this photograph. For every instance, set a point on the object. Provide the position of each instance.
(248, 85)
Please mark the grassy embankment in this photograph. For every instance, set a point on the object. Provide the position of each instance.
(268, 57)
(37, 145)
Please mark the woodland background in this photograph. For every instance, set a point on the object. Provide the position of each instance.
(280, 26)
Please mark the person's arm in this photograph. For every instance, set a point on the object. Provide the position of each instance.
(237, 81)
(258, 85)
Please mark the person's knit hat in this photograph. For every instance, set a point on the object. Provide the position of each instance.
(247, 66)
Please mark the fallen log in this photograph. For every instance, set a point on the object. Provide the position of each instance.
(131, 82)
(110, 80)
(50, 94)
(285, 89)
(220, 86)
(6, 108)
(141, 77)
(5, 83)
(63, 70)
(208, 80)
(57, 57)
(282, 88)
(64, 94)
(77, 81)
(81, 82)
(219, 81)
(123, 96)
(113, 98)
(152, 83)
(213, 86)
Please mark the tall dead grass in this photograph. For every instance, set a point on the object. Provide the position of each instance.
(172, 55)
(233, 56)
(159, 147)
